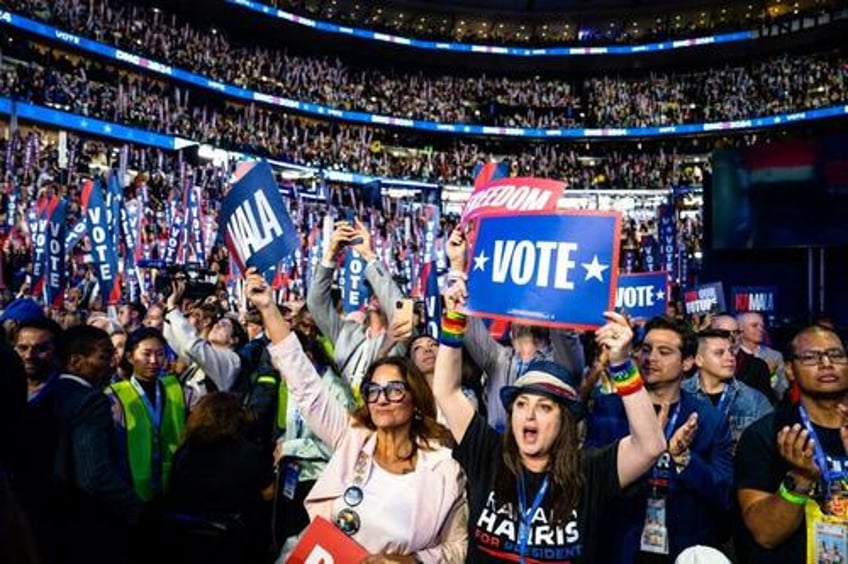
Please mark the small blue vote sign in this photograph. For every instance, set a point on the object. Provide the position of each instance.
(642, 295)
(551, 269)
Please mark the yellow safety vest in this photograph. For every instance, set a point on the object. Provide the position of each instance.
(142, 435)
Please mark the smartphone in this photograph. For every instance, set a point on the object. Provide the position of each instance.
(349, 215)
(403, 311)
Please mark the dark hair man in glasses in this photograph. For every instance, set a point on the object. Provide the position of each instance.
(791, 465)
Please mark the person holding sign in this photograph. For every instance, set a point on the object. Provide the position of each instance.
(356, 345)
(534, 494)
(501, 364)
(391, 485)
(792, 465)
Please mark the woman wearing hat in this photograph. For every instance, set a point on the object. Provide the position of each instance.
(391, 484)
(534, 495)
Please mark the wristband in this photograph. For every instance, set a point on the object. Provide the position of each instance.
(453, 329)
(457, 275)
(626, 378)
(791, 497)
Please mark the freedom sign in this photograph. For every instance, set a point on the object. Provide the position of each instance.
(514, 196)
(556, 270)
(705, 298)
(323, 543)
(643, 295)
(257, 228)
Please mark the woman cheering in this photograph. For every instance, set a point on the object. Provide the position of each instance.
(391, 484)
(534, 495)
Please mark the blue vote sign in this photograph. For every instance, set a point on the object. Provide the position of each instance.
(642, 295)
(552, 269)
(257, 228)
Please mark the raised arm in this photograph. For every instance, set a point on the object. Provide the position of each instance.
(220, 365)
(447, 379)
(318, 298)
(638, 451)
(325, 415)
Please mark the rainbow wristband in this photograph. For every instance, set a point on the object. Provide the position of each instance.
(626, 378)
(453, 329)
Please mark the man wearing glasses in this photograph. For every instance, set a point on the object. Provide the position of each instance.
(749, 369)
(791, 465)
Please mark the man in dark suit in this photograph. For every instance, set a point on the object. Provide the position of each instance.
(95, 507)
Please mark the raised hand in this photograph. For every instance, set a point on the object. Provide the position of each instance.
(616, 336)
(682, 438)
(456, 249)
(364, 247)
(342, 235)
(455, 296)
(257, 290)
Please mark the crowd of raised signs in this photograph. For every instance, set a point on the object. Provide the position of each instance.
(242, 425)
(778, 84)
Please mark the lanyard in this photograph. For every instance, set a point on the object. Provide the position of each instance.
(828, 476)
(154, 411)
(525, 516)
(658, 474)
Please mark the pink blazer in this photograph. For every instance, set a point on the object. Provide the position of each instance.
(440, 510)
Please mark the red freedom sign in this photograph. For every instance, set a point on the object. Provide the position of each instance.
(513, 196)
(324, 543)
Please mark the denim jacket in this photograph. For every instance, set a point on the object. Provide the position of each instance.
(743, 406)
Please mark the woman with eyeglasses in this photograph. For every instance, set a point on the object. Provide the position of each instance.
(391, 485)
(534, 495)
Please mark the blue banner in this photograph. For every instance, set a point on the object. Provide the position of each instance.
(650, 254)
(556, 270)
(667, 232)
(706, 298)
(129, 226)
(195, 230)
(102, 249)
(643, 295)
(327, 112)
(759, 299)
(257, 228)
(56, 271)
(513, 51)
(39, 247)
(355, 294)
(176, 229)
(432, 299)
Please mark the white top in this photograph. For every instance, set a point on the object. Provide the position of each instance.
(384, 513)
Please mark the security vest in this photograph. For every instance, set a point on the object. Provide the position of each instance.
(145, 444)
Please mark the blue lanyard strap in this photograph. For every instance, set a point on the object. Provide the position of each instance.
(828, 476)
(723, 401)
(525, 516)
(658, 473)
(154, 411)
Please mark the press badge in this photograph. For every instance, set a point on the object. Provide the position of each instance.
(827, 536)
(655, 533)
(290, 479)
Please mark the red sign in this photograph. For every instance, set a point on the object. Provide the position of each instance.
(513, 196)
(323, 543)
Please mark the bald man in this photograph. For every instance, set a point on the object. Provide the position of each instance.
(753, 334)
(749, 369)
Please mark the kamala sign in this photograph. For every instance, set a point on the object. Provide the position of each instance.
(258, 230)
(552, 269)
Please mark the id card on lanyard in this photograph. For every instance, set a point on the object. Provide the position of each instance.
(655, 532)
(154, 411)
(525, 515)
(833, 474)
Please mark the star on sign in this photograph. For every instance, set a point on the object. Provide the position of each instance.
(660, 295)
(480, 261)
(594, 269)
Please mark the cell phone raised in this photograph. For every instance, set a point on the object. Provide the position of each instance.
(403, 312)
(349, 216)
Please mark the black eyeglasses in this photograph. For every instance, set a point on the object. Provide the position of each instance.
(813, 358)
(394, 391)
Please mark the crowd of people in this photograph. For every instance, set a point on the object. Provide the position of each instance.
(774, 85)
(35, 73)
(215, 428)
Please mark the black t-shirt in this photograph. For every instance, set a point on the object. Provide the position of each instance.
(759, 466)
(715, 398)
(492, 522)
